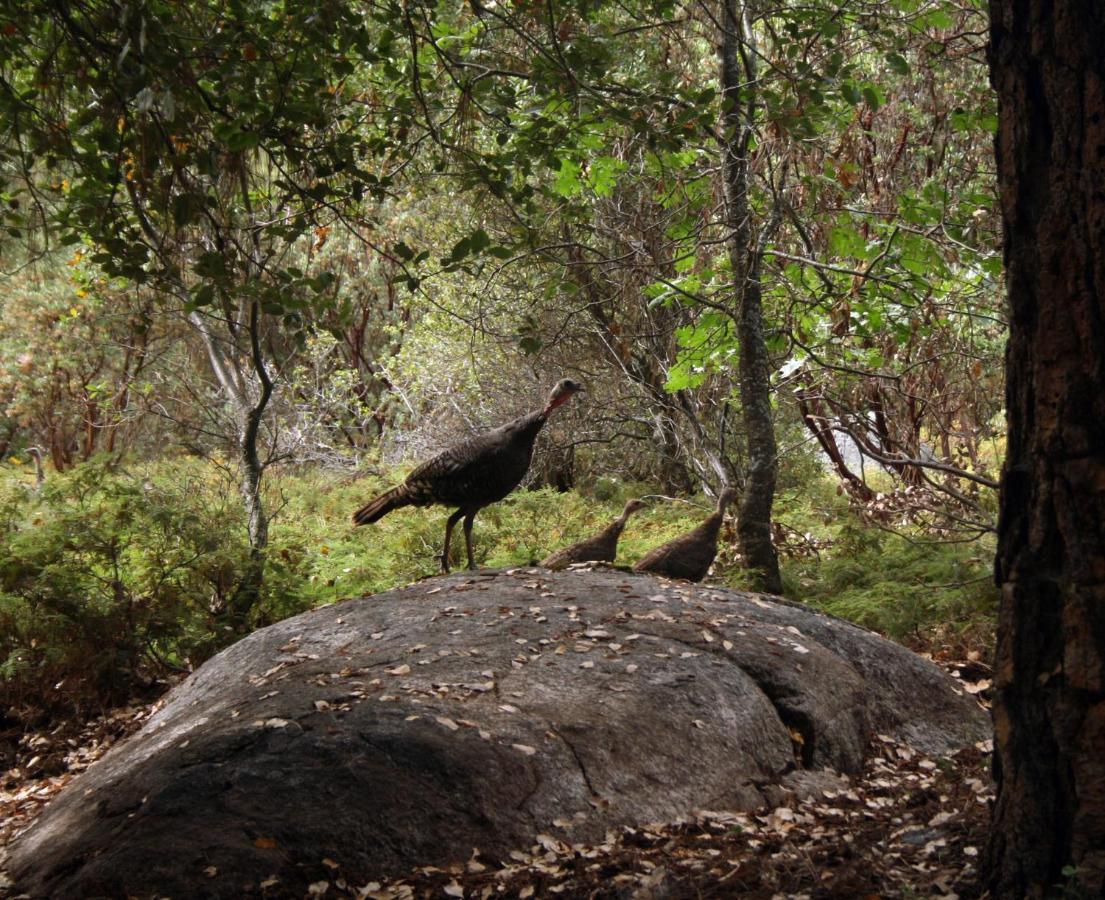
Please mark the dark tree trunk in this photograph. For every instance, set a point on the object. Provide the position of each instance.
(1049, 707)
(737, 72)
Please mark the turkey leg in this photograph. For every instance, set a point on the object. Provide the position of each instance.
(448, 539)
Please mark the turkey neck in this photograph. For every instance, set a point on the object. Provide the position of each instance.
(711, 525)
(615, 527)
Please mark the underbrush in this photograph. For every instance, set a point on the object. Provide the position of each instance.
(112, 575)
(927, 591)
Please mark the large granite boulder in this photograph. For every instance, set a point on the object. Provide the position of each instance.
(477, 710)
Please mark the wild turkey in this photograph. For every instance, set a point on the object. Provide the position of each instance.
(603, 547)
(689, 556)
(472, 474)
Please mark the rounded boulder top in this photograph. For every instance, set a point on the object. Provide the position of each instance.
(477, 710)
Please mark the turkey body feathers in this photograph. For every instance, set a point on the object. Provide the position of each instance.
(688, 556)
(479, 470)
(691, 554)
(603, 547)
(472, 473)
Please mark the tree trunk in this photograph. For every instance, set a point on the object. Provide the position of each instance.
(1048, 831)
(809, 407)
(737, 69)
(248, 593)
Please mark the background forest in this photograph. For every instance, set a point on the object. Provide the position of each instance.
(259, 257)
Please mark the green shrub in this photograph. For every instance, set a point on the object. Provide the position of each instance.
(112, 573)
(908, 586)
(107, 576)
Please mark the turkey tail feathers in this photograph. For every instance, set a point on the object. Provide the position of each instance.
(381, 506)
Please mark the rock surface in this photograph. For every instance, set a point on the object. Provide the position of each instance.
(474, 711)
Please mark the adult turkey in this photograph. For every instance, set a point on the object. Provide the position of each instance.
(472, 474)
(690, 555)
(603, 547)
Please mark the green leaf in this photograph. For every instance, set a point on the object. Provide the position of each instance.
(185, 208)
(211, 265)
(202, 296)
(602, 174)
(846, 241)
(567, 182)
(478, 241)
(897, 63)
(938, 18)
(460, 250)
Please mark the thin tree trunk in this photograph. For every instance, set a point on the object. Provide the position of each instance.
(248, 593)
(1048, 834)
(737, 66)
(809, 407)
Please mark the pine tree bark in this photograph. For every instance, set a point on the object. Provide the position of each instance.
(1048, 829)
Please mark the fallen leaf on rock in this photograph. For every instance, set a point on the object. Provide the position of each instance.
(399, 670)
(447, 722)
(211, 871)
(524, 748)
(452, 889)
(550, 843)
(276, 723)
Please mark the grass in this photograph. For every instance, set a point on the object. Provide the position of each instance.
(111, 566)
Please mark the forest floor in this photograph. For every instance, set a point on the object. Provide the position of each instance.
(908, 826)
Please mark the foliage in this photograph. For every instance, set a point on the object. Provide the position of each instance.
(343, 234)
(79, 353)
(903, 582)
(114, 573)
(108, 575)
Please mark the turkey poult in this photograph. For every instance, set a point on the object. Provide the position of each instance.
(603, 547)
(690, 555)
(472, 474)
